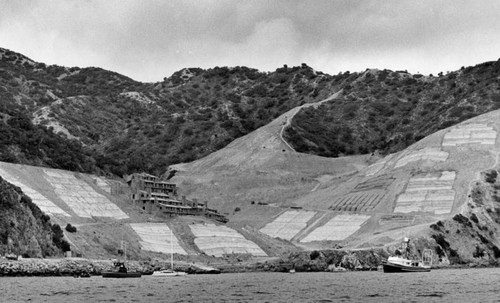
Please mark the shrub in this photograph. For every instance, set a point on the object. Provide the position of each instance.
(70, 228)
(435, 227)
(462, 220)
(483, 239)
(441, 241)
(314, 254)
(478, 253)
(496, 251)
(491, 176)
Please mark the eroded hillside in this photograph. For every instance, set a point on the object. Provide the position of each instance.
(297, 159)
(344, 203)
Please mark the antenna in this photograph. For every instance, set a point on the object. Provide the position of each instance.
(171, 250)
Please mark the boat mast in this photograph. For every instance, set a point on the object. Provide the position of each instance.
(171, 251)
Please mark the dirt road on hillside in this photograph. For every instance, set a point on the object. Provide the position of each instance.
(290, 114)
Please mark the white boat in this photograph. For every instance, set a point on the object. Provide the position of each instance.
(403, 263)
(170, 272)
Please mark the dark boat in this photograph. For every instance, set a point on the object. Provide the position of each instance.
(122, 272)
(117, 274)
(403, 263)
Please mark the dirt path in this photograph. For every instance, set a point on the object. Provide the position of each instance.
(293, 112)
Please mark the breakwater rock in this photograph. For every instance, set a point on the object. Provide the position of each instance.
(80, 266)
(333, 260)
(324, 260)
(309, 261)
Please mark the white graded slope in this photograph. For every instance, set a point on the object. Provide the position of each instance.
(431, 193)
(102, 183)
(288, 224)
(472, 133)
(156, 237)
(426, 154)
(377, 166)
(338, 228)
(219, 240)
(43, 203)
(81, 197)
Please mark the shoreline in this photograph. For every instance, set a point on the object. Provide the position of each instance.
(81, 266)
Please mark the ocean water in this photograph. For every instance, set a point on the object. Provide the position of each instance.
(450, 285)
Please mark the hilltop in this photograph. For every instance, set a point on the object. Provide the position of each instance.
(94, 120)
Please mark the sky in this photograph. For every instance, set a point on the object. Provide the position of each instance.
(148, 40)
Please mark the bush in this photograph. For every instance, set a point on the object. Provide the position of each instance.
(478, 253)
(435, 227)
(491, 176)
(314, 254)
(70, 228)
(474, 218)
(496, 251)
(462, 220)
(441, 241)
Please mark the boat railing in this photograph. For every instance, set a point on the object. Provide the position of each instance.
(427, 257)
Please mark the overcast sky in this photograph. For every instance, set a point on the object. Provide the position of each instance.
(148, 40)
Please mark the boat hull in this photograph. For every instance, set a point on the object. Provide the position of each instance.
(112, 274)
(390, 268)
(169, 274)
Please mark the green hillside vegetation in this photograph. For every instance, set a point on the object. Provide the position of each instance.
(387, 111)
(24, 229)
(472, 237)
(23, 142)
(119, 126)
(126, 126)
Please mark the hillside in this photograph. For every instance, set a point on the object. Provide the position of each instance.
(431, 191)
(24, 229)
(441, 191)
(110, 124)
(298, 160)
(121, 126)
(386, 111)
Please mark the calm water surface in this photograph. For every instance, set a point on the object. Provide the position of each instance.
(451, 285)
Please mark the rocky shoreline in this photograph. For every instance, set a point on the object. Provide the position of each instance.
(80, 266)
(305, 261)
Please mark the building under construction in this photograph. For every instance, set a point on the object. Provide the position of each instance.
(160, 198)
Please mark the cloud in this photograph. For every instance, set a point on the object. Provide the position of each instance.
(148, 40)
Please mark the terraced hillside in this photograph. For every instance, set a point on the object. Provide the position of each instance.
(356, 202)
(401, 164)
(440, 190)
(107, 221)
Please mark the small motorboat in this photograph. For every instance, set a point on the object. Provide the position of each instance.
(122, 272)
(117, 274)
(400, 264)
